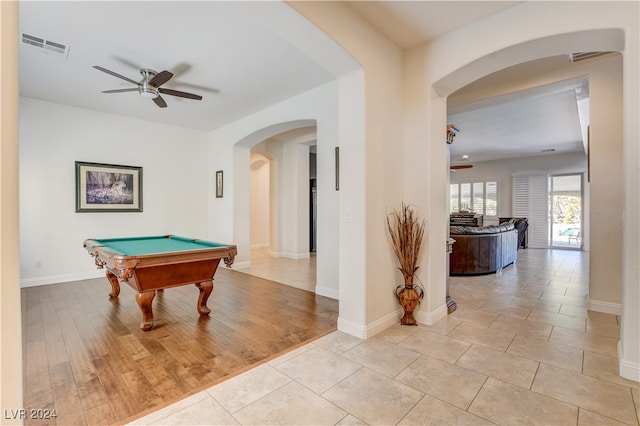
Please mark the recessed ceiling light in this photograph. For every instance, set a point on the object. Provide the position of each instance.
(465, 157)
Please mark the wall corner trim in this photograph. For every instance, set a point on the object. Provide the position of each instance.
(604, 307)
(627, 369)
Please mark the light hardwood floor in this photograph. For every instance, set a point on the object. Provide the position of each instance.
(86, 358)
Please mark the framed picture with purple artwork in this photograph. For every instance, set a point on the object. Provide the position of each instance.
(108, 188)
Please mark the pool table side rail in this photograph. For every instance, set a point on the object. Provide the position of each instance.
(115, 260)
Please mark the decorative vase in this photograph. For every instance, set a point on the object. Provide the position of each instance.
(409, 297)
(406, 231)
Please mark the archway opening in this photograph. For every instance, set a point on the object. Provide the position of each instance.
(584, 41)
(280, 219)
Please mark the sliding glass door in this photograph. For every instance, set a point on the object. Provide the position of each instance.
(565, 196)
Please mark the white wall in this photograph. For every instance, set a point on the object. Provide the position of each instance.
(175, 183)
(293, 200)
(371, 169)
(606, 187)
(260, 200)
(291, 184)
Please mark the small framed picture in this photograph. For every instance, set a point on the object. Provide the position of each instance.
(219, 181)
(108, 188)
(337, 160)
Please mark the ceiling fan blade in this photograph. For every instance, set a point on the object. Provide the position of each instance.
(161, 78)
(115, 74)
(160, 102)
(462, 166)
(180, 94)
(133, 89)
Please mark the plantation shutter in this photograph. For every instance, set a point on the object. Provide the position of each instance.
(454, 198)
(531, 200)
(477, 203)
(465, 197)
(491, 208)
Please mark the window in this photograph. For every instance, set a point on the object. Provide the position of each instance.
(476, 197)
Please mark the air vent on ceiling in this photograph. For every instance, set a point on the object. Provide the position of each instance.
(46, 46)
(581, 56)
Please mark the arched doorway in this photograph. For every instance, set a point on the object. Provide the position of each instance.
(287, 147)
(279, 209)
(606, 40)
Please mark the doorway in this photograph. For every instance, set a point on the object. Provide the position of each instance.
(565, 212)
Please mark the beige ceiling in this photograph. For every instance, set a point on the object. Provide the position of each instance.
(241, 58)
(410, 23)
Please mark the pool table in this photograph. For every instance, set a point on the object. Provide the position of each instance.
(150, 264)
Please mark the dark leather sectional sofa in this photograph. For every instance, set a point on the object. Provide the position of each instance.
(482, 250)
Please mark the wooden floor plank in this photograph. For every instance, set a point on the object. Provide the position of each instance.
(86, 357)
(40, 391)
(88, 384)
(162, 383)
(120, 398)
(143, 392)
(100, 415)
(67, 404)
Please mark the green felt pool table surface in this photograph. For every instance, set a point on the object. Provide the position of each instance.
(135, 246)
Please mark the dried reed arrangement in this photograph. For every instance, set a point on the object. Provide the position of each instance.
(406, 231)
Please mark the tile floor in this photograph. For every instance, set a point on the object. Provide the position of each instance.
(520, 349)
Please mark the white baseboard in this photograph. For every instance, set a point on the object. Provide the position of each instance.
(55, 279)
(366, 331)
(627, 369)
(240, 265)
(296, 256)
(604, 307)
(430, 318)
(351, 328)
(330, 292)
(383, 323)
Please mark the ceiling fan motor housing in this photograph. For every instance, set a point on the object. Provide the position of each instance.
(144, 88)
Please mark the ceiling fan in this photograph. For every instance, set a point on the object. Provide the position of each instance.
(460, 167)
(149, 86)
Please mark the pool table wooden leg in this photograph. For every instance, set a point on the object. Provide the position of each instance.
(115, 284)
(205, 288)
(144, 300)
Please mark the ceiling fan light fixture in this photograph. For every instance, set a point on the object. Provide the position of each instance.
(148, 92)
(144, 88)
